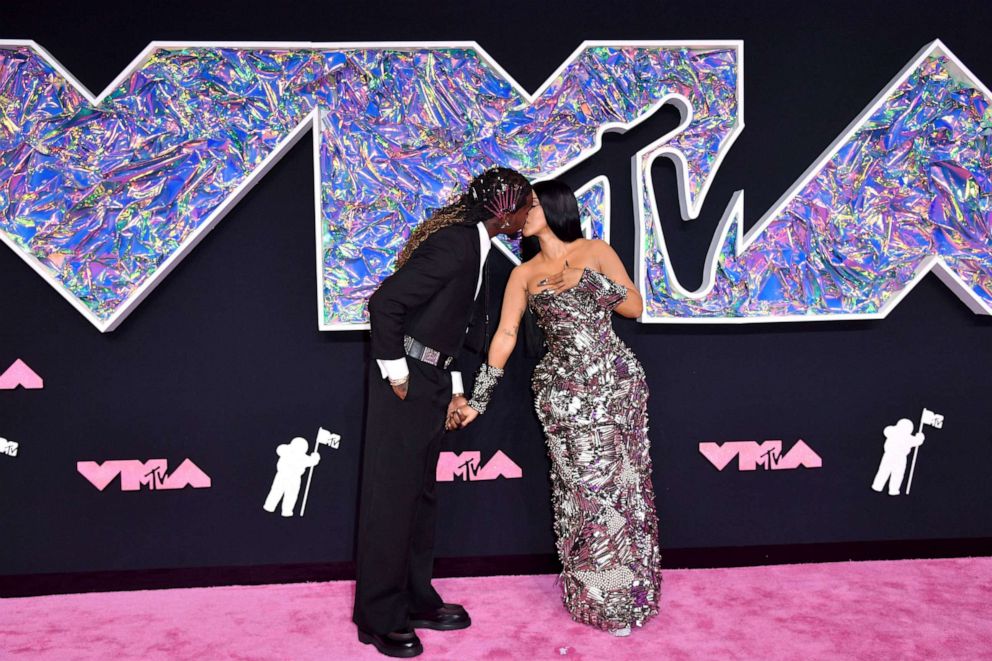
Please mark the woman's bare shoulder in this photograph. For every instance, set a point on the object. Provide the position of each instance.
(522, 271)
(600, 248)
(590, 245)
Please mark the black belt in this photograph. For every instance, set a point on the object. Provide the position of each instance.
(420, 351)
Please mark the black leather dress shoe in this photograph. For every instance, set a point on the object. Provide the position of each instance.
(446, 618)
(402, 643)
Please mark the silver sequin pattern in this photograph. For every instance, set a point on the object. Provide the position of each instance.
(591, 398)
(485, 383)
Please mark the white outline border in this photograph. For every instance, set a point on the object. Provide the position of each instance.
(690, 209)
(312, 120)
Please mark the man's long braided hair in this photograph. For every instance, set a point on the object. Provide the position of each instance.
(494, 192)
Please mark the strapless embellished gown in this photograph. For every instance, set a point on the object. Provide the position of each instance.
(591, 398)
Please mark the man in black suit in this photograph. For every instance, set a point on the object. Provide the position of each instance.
(418, 318)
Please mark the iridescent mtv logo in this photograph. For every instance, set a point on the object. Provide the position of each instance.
(103, 195)
(135, 474)
(766, 455)
(466, 466)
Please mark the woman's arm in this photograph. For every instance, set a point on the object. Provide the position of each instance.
(502, 344)
(611, 266)
(514, 306)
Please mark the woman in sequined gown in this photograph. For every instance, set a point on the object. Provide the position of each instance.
(591, 398)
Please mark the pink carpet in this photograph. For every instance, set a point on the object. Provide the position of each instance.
(907, 609)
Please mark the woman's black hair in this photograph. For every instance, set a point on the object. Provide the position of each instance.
(561, 210)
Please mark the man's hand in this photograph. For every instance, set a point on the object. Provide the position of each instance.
(452, 420)
(402, 389)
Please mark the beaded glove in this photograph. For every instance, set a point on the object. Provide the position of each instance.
(485, 383)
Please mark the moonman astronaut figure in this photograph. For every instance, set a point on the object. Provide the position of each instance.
(293, 461)
(899, 440)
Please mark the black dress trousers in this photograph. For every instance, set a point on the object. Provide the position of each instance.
(398, 508)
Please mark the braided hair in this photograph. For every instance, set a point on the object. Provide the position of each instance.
(497, 191)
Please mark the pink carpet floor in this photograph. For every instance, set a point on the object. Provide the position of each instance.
(907, 609)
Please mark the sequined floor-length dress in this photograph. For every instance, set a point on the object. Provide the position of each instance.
(590, 395)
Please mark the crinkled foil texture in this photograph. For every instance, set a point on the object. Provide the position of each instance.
(104, 196)
(590, 395)
(912, 181)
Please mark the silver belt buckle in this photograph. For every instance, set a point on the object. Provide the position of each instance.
(421, 351)
(431, 356)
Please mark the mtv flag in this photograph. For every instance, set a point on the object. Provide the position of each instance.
(936, 421)
(930, 418)
(324, 437)
(8, 448)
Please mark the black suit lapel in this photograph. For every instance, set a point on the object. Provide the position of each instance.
(485, 304)
(477, 334)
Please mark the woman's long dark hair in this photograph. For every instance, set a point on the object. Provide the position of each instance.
(561, 210)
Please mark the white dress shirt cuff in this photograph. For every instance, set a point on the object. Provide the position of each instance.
(393, 369)
(456, 383)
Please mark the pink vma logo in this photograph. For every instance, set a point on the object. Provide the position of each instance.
(151, 473)
(768, 455)
(466, 466)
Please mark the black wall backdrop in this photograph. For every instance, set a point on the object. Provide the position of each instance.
(223, 361)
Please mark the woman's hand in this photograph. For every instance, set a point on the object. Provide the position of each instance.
(466, 414)
(460, 416)
(452, 419)
(567, 278)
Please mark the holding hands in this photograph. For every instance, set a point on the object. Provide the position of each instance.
(452, 420)
(460, 414)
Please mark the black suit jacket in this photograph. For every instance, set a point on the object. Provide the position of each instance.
(431, 297)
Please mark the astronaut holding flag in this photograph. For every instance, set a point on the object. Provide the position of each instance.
(899, 440)
(293, 460)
